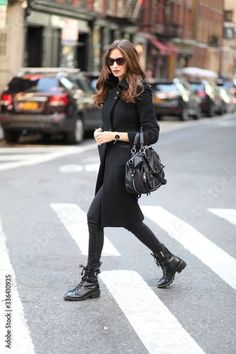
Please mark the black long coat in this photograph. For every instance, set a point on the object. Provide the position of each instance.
(119, 208)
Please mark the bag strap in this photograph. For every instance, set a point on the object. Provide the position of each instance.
(138, 140)
(141, 137)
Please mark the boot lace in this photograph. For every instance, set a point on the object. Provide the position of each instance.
(88, 273)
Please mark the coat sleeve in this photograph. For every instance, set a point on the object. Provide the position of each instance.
(147, 118)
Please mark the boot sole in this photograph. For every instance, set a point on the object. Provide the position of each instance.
(182, 264)
(88, 296)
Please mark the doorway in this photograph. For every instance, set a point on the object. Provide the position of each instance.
(34, 46)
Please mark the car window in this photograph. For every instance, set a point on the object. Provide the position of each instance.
(46, 84)
(165, 87)
(228, 84)
(35, 84)
(81, 84)
(197, 86)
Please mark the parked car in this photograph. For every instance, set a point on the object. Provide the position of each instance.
(91, 114)
(211, 101)
(175, 98)
(227, 90)
(49, 101)
(229, 85)
(91, 77)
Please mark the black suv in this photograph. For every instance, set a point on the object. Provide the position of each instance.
(49, 101)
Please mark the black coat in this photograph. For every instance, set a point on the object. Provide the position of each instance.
(119, 208)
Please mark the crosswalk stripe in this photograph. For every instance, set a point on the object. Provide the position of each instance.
(227, 214)
(11, 308)
(75, 221)
(155, 325)
(213, 256)
(17, 157)
(37, 159)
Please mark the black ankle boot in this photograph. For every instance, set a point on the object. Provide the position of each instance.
(87, 288)
(170, 264)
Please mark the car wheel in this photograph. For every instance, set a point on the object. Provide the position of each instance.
(210, 112)
(77, 134)
(184, 115)
(198, 114)
(11, 136)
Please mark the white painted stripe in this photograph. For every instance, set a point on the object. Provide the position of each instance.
(20, 334)
(156, 326)
(18, 157)
(213, 256)
(75, 221)
(46, 157)
(92, 167)
(227, 214)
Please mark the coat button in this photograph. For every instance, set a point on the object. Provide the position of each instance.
(117, 92)
(115, 98)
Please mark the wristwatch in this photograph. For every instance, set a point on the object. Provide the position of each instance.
(117, 137)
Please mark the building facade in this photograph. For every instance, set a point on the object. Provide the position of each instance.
(228, 58)
(64, 33)
(182, 33)
(11, 41)
(168, 34)
(208, 34)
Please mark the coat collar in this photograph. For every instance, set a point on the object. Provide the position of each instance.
(113, 81)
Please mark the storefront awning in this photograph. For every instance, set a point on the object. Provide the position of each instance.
(164, 48)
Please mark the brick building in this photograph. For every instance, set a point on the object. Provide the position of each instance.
(228, 57)
(168, 34)
(182, 33)
(208, 34)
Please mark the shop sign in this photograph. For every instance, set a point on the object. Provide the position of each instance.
(68, 8)
(3, 13)
(66, 4)
(70, 32)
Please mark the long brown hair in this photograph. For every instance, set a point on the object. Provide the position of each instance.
(134, 73)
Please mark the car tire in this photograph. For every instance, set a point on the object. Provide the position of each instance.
(210, 112)
(198, 114)
(76, 135)
(184, 115)
(11, 136)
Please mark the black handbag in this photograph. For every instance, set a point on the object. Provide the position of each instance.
(144, 172)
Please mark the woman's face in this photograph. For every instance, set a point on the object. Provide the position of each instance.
(118, 68)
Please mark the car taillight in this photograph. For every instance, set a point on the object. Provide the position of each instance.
(58, 100)
(6, 99)
(201, 93)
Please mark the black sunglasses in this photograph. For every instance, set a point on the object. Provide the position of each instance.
(119, 61)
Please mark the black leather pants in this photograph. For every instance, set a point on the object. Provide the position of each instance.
(96, 233)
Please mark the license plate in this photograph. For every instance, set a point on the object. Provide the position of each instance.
(157, 100)
(29, 106)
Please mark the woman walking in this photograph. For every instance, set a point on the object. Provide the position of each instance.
(126, 102)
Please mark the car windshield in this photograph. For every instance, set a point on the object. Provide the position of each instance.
(198, 86)
(35, 84)
(165, 87)
(229, 84)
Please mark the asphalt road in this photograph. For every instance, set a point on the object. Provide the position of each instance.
(45, 191)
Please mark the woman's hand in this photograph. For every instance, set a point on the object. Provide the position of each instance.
(103, 137)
